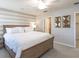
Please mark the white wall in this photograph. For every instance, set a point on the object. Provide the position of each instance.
(65, 36)
(7, 17)
(41, 22)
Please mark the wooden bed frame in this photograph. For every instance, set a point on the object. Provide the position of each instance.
(34, 51)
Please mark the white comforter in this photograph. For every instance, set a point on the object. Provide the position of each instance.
(22, 41)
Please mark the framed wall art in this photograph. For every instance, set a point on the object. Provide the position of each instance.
(58, 22)
(66, 21)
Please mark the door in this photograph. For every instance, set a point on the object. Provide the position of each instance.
(77, 30)
(48, 25)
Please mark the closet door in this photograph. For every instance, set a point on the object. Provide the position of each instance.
(48, 25)
(77, 27)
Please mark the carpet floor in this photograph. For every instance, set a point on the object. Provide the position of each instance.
(59, 51)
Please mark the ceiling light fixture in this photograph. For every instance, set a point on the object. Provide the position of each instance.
(41, 5)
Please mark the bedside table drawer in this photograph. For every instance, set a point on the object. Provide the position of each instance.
(1, 45)
(1, 42)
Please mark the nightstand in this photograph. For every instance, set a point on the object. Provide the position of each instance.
(1, 42)
(37, 30)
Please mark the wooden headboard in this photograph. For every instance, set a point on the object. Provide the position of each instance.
(11, 26)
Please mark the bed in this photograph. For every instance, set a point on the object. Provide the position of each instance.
(27, 45)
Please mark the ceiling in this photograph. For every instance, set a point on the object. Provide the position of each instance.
(30, 6)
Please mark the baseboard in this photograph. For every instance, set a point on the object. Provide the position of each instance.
(63, 44)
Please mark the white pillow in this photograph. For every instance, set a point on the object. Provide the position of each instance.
(12, 30)
(8, 30)
(20, 29)
(28, 29)
(15, 30)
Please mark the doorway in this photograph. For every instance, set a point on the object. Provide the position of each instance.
(48, 25)
(77, 30)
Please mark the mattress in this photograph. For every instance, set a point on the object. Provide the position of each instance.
(21, 41)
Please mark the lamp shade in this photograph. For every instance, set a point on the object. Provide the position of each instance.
(33, 24)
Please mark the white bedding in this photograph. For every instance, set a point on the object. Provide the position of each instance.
(22, 41)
